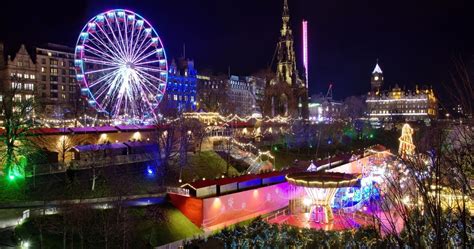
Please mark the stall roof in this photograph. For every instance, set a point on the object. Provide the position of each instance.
(106, 128)
(49, 131)
(82, 129)
(139, 144)
(92, 147)
(127, 127)
(229, 180)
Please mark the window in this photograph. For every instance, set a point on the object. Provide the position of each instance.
(53, 62)
(32, 76)
(43, 77)
(54, 87)
(54, 95)
(42, 69)
(43, 86)
(63, 88)
(53, 78)
(20, 63)
(19, 75)
(28, 96)
(28, 86)
(63, 96)
(71, 64)
(16, 85)
(72, 72)
(62, 63)
(71, 88)
(175, 97)
(63, 79)
(43, 61)
(63, 71)
(53, 71)
(27, 76)
(17, 98)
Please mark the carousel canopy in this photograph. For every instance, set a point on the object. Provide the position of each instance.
(323, 179)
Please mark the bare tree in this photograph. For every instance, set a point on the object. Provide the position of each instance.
(15, 148)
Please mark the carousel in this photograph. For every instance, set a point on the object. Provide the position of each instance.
(320, 189)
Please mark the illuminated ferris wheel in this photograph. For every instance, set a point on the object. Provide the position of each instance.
(121, 65)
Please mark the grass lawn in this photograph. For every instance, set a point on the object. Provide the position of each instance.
(177, 227)
(206, 164)
(144, 233)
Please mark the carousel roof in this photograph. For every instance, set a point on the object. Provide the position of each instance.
(323, 179)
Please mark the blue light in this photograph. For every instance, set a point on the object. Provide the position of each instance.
(150, 171)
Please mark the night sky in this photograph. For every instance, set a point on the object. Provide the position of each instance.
(415, 41)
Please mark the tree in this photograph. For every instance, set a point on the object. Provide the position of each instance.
(15, 147)
(354, 107)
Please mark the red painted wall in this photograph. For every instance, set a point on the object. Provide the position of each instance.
(189, 206)
(229, 209)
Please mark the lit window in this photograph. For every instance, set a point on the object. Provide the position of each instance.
(27, 76)
(16, 85)
(32, 76)
(175, 97)
(42, 69)
(17, 98)
(63, 96)
(28, 96)
(49, 54)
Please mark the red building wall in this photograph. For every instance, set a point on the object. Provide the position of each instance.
(189, 206)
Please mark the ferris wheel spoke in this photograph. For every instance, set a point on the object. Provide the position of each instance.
(139, 57)
(99, 54)
(149, 82)
(102, 70)
(151, 76)
(146, 56)
(139, 48)
(99, 61)
(151, 69)
(96, 50)
(116, 41)
(101, 79)
(112, 43)
(111, 49)
(147, 62)
(135, 42)
(126, 36)
(120, 41)
(110, 88)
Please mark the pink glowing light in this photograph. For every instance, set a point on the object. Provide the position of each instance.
(305, 49)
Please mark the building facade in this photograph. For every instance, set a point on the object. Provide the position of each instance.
(286, 94)
(18, 75)
(399, 105)
(323, 109)
(181, 91)
(57, 88)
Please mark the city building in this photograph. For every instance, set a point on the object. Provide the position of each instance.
(182, 85)
(17, 75)
(323, 109)
(399, 105)
(241, 97)
(57, 88)
(286, 94)
(211, 92)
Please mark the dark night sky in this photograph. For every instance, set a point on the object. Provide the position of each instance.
(415, 41)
